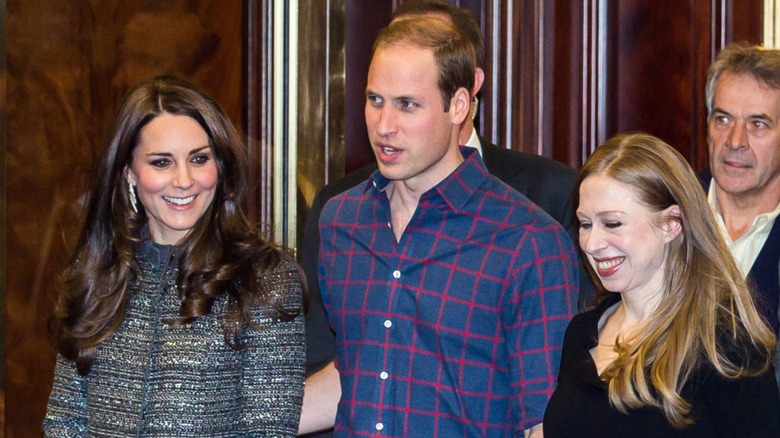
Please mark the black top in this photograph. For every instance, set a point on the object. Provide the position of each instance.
(579, 407)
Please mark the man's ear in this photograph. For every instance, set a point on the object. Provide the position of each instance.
(460, 105)
(672, 226)
(479, 79)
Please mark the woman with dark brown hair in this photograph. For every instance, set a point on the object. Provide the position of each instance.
(176, 317)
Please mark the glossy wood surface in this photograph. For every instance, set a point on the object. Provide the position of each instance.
(562, 77)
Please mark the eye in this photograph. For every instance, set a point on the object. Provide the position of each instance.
(585, 225)
(758, 124)
(720, 119)
(160, 163)
(612, 224)
(374, 100)
(201, 159)
(407, 105)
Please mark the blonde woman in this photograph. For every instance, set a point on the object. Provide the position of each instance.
(677, 347)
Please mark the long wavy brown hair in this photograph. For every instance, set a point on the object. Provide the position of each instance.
(706, 311)
(222, 253)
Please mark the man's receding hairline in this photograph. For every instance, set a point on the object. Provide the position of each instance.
(437, 15)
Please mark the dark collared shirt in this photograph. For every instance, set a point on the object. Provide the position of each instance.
(456, 330)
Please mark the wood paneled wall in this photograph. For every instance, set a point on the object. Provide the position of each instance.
(657, 65)
(562, 77)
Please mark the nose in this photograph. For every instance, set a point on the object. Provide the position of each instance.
(183, 177)
(386, 124)
(737, 137)
(591, 240)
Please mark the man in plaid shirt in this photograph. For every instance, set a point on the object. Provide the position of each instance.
(449, 291)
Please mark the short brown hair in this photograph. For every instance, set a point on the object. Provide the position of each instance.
(452, 52)
(462, 18)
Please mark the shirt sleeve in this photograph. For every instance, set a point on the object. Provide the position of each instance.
(541, 302)
(320, 339)
(66, 414)
(274, 371)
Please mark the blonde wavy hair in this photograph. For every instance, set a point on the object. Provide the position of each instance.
(706, 313)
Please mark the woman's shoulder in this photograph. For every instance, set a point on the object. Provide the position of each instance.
(740, 350)
(283, 282)
(743, 406)
(284, 271)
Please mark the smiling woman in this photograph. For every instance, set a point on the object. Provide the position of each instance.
(677, 347)
(174, 172)
(169, 281)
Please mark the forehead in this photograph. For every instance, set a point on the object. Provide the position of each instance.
(600, 193)
(402, 70)
(745, 91)
(168, 131)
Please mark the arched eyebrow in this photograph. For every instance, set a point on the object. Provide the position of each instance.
(170, 155)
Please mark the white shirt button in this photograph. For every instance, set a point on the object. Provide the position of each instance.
(396, 274)
(379, 426)
(388, 323)
(383, 375)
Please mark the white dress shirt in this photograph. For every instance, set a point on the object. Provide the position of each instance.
(745, 249)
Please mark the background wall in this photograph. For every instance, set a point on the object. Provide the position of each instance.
(563, 76)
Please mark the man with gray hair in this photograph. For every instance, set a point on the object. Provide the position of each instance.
(743, 137)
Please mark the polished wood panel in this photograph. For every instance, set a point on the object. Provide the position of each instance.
(561, 77)
(574, 92)
(657, 66)
(320, 146)
(652, 86)
(363, 22)
(257, 85)
(3, 130)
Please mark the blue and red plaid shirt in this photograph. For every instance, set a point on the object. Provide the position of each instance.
(457, 329)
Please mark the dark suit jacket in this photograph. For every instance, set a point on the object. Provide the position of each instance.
(763, 276)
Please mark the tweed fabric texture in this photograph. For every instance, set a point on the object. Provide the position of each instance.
(153, 379)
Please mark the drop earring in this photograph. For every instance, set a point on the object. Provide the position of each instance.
(133, 199)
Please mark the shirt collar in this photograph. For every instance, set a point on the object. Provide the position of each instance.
(759, 220)
(474, 142)
(155, 253)
(711, 197)
(457, 187)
